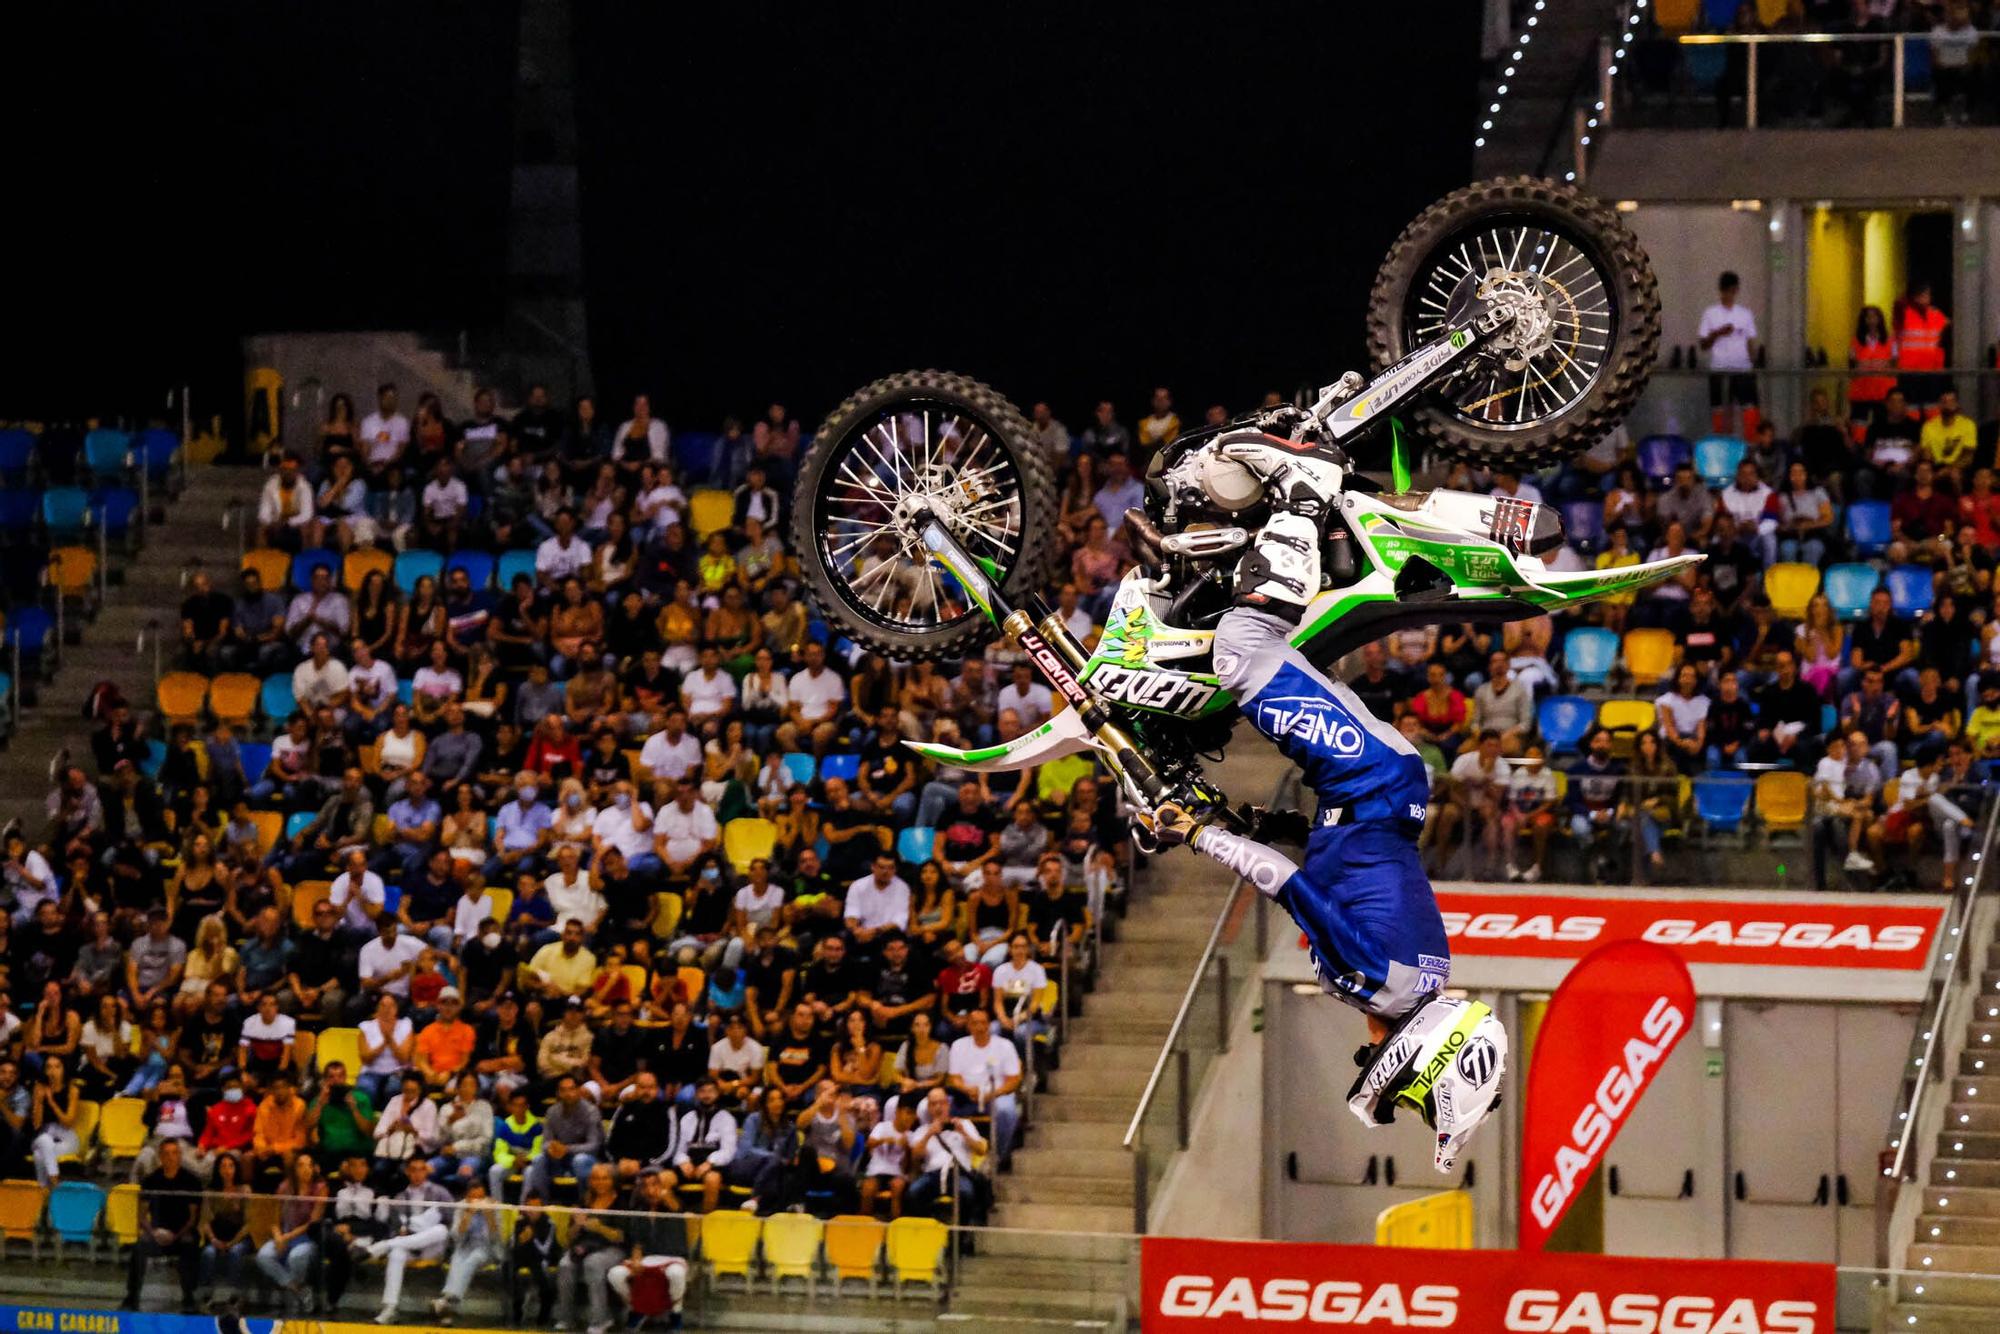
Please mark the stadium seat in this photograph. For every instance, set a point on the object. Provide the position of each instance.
(1583, 524)
(791, 1250)
(711, 511)
(362, 562)
(1590, 652)
(73, 574)
(1649, 655)
(414, 565)
(310, 559)
(1848, 588)
(844, 767)
(181, 695)
(270, 824)
(1628, 715)
(500, 903)
(85, 1125)
(156, 450)
(667, 907)
(728, 1242)
(340, 1044)
(799, 766)
(114, 508)
(916, 845)
(1440, 1222)
(74, 1208)
(34, 630)
(1659, 455)
(275, 698)
(916, 1252)
(66, 513)
(854, 1250)
(296, 821)
(232, 697)
(478, 567)
(21, 1205)
(1790, 586)
(1721, 802)
(514, 563)
(1564, 721)
(106, 452)
(156, 758)
(635, 980)
(273, 566)
(256, 756)
(1910, 589)
(694, 453)
(121, 1213)
(17, 454)
(1781, 801)
(1716, 457)
(748, 839)
(1868, 526)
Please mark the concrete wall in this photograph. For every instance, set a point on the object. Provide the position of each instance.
(1225, 1142)
(1859, 166)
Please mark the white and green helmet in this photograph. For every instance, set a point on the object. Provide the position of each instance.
(1445, 1060)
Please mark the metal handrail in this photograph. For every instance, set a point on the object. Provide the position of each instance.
(1774, 38)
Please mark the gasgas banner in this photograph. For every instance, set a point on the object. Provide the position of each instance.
(1606, 1032)
(1190, 1285)
(1806, 933)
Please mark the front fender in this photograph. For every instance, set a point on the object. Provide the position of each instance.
(1063, 734)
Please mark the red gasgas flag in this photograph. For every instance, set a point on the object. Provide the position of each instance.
(1607, 1031)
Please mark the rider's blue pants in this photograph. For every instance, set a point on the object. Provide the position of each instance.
(1361, 897)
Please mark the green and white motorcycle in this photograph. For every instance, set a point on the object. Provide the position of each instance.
(1513, 323)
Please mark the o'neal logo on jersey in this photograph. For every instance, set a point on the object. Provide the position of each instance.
(1314, 721)
(1168, 692)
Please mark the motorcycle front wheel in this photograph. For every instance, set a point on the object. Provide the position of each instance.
(944, 445)
(1554, 383)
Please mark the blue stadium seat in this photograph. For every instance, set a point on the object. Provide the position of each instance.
(414, 565)
(1590, 652)
(799, 766)
(1659, 455)
(17, 453)
(1564, 721)
(694, 454)
(1716, 457)
(156, 449)
(256, 758)
(296, 821)
(817, 632)
(18, 509)
(306, 561)
(392, 896)
(115, 508)
(478, 567)
(1848, 588)
(1910, 588)
(74, 1208)
(406, 690)
(33, 628)
(844, 767)
(1583, 522)
(513, 563)
(275, 700)
(1916, 66)
(916, 844)
(65, 512)
(1722, 802)
(106, 452)
(1868, 526)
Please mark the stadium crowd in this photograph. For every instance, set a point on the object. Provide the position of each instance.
(584, 868)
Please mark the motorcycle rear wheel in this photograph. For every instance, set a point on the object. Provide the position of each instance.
(1588, 271)
(969, 454)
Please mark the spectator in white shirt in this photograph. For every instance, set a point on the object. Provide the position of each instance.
(285, 509)
(945, 1146)
(626, 825)
(737, 1062)
(573, 892)
(444, 502)
(1728, 330)
(1754, 505)
(321, 609)
(888, 1167)
(685, 829)
(1028, 698)
(359, 894)
(320, 681)
(877, 902)
(1017, 983)
(563, 555)
(673, 752)
(706, 1144)
(386, 962)
(709, 694)
(385, 432)
(817, 696)
(645, 426)
(984, 1078)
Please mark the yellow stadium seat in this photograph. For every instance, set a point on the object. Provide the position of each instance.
(1781, 801)
(747, 839)
(1790, 586)
(1676, 16)
(728, 1241)
(85, 1126)
(694, 981)
(274, 567)
(181, 695)
(635, 978)
(363, 562)
(666, 914)
(562, 1218)
(342, 1045)
(121, 1128)
(305, 897)
(21, 1205)
(232, 697)
(916, 1252)
(73, 572)
(500, 902)
(1441, 1222)
(261, 1218)
(121, 1213)
(791, 1250)
(1628, 715)
(711, 511)
(1649, 655)
(853, 1246)
(270, 824)
(380, 830)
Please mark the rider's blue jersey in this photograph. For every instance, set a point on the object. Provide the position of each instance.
(1348, 756)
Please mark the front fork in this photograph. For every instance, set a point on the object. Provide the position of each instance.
(1040, 633)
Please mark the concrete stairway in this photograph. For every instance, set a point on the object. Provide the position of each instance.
(1562, 41)
(316, 366)
(151, 592)
(1958, 1230)
(1071, 1190)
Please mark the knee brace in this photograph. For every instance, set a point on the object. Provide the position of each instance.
(1280, 572)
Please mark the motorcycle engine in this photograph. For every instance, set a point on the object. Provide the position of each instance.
(1203, 480)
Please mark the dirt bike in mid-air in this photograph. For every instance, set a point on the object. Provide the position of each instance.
(1513, 323)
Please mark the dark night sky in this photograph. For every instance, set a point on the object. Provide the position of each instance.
(779, 200)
